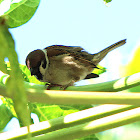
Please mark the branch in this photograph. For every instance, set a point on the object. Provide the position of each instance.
(36, 93)
(93, 127)
(70, 120)
(79, 124)
(111, 86)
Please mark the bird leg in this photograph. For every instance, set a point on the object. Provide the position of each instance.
(50, 85)
(62, 87)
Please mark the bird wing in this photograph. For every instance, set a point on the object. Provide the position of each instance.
(55, 50)
(77, 52)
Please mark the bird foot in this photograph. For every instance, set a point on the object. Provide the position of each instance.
(49, 86)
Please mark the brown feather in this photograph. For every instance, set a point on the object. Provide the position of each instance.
(34, 58)
(77, 52)
(80, 54)
(100, 55)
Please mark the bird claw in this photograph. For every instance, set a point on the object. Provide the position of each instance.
(55, 85)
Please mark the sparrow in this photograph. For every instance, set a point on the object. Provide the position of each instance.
(62, 65)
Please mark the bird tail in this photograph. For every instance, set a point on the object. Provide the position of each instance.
(100, 55)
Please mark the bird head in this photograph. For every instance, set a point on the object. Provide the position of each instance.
(37, 63)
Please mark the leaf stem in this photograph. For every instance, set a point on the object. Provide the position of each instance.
(92, 127)
(70, 120)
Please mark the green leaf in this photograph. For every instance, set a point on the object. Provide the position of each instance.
(132, 67)
(18, 13)
(107, 1)
(15, 85)
(91, 137)
(47, 112)
(100, 70)
(26, 74)
(5, 116)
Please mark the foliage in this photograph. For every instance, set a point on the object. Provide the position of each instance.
(5, 116)
(100, 70)
(14, 14)
(15, 85)
(25, 74)
(18, 12)
(133, 67)
(46, 112)
(107, 1)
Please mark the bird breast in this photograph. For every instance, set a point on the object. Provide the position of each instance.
(64, 69)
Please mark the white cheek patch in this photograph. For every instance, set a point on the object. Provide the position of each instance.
(47, 60)
(42, 70)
